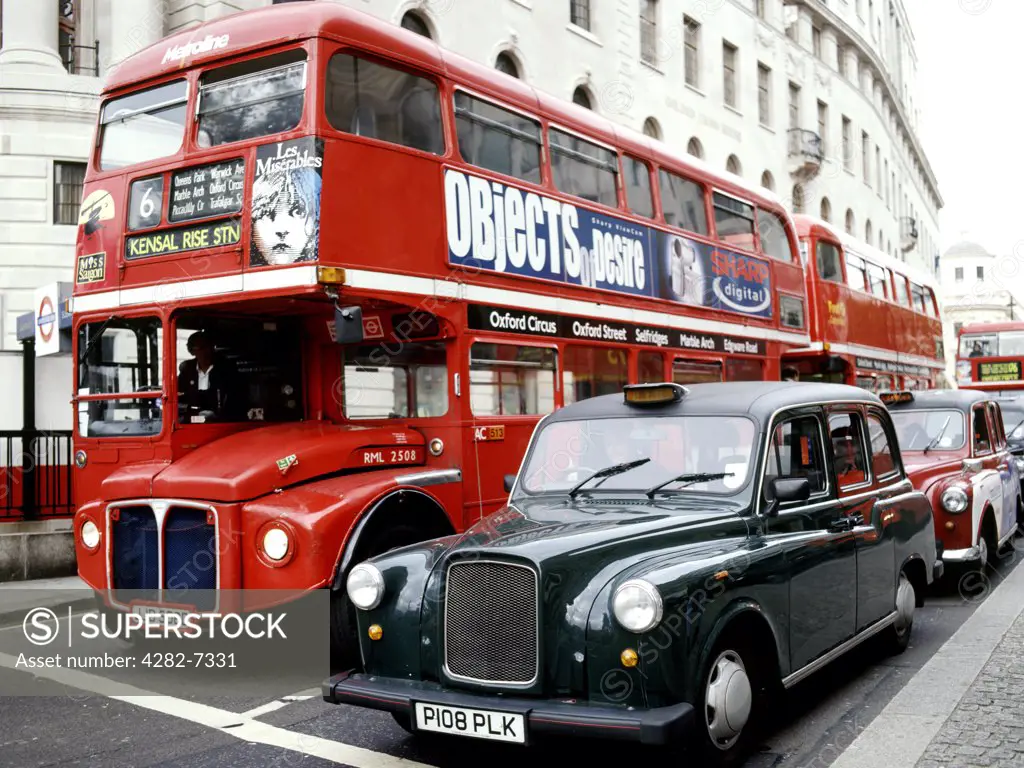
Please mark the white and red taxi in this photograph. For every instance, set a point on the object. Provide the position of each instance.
(954, 448)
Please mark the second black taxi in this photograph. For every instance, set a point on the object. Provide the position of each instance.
(670, 559)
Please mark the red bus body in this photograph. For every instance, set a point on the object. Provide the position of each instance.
(393, 231)
(874, 321)
(990, 356)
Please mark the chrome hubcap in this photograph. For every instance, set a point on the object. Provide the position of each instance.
(905, 603)
(728, 699)
(982, 552)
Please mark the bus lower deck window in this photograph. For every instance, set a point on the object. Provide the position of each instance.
(507, 380)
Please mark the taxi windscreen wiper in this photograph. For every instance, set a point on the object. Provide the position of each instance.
(692, 477)
(938, 437)
(615, 469)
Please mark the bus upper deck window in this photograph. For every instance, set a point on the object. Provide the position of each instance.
(774, 240)
(683, 203)
(256, 97)
(584, 169)
(734, 221)
(369, 99)
(498, 139)
(142, 126)
(829, 267)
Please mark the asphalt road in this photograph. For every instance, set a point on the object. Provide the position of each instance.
(123, 726)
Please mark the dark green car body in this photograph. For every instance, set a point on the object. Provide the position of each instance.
(802, 582)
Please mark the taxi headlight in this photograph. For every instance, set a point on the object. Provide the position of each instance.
(275, 543)
(90, 534)
(954, 499)
(637, 606)
(365, 586)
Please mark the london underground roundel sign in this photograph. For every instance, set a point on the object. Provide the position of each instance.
(47, 318)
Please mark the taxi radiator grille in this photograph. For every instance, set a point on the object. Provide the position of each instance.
(491, 623)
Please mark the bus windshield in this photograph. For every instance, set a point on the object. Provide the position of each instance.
(144, 125)
(238, 369)
(1002, 344)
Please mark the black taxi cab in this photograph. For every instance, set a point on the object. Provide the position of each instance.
(670, 559)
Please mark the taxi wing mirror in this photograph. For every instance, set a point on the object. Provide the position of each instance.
(510, 480)
(348, 325)
(784, 490)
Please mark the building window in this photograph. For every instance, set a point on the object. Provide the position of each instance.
(958, 274)
(865, 151)
(850, 223)
(695, 148)
(651, 128)
(581, 97)
(729, 73)
(768, 181)
(847, 143)
(732, 165)
(878, 170)
(841, 61)
(823, 126)
(761, 9)
(579, 13)
(794, 105)
(826, 209)
(68, 179)
(649, 31)
(505, 63)
(691, 52)
(798, 198)
(980, 272)
(764, 94)
(416, 23)
(816, 41)
(868, 231)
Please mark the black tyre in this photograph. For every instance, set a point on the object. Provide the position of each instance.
(404, 720)
(896, 637)
(734, 697)
(344, 643)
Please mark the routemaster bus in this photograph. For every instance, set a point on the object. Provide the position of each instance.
(990, 356)
(874, 320)
(329, 276)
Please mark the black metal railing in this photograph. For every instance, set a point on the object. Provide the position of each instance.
(35, 474)
(81, 59)
(908, 228)
(804, 143)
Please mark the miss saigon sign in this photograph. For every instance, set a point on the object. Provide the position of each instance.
(499, 228)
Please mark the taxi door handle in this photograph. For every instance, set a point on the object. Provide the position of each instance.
(846, 523)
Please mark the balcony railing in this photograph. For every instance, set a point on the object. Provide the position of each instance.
(806, 153)
(81, 59)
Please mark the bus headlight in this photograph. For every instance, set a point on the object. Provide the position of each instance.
(365, 586)
(275, 543)
(90, 535)
(954, 499)
(637, 606)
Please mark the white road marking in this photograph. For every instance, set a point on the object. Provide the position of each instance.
(284, 701)
(239, 726)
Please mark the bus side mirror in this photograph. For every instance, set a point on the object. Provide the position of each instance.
(510, 480)
(348, 325)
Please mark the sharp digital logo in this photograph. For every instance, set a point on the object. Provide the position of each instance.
(207, 44)
(506, 229)
(741, 283)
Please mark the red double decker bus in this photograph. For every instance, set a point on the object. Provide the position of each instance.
(330, 276)
(875, 321)
(990, 356)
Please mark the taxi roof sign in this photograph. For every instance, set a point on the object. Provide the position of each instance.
(897, 396)
(654, 394)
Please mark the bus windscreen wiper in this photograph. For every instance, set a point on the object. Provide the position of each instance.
(96, 337)
(689, 479)
(615, 469)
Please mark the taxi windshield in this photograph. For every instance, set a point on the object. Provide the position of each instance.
(1013, 419)
(701, 447)
(942, 429)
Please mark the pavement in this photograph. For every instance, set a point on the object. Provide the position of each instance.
(17, 597)
(965, 707)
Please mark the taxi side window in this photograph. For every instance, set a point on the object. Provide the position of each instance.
(882, 461)
(982, 438)
(996, 421)
(848, 448)
(796, 451)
